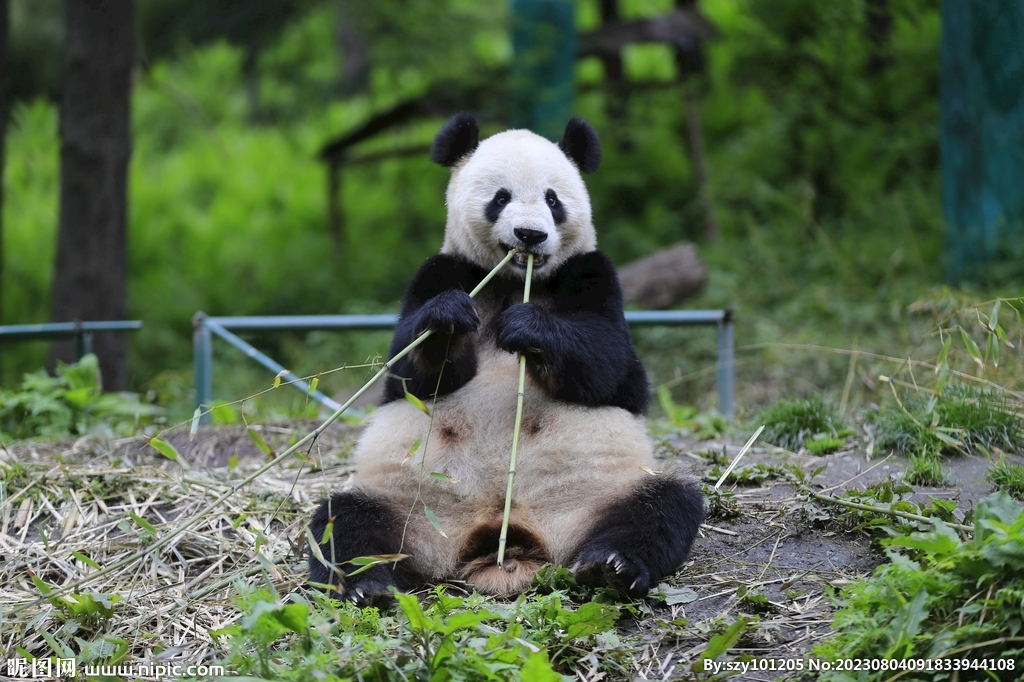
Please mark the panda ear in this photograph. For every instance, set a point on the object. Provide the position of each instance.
(458, 137)
(581, 145)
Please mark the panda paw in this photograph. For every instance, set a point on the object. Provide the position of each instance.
(523, 328)
(610, 568)
(368, 593)
(450, 312)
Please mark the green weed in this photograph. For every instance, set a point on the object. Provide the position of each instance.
(69, 404)
(925, 470)
(823, 444)
(941, 596)
(962, 418)
(443, 638)
(1008, 478)
(789, 423)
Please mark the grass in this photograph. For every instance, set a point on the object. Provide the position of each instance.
(790, 423)
(1008, 478)
(925, 470)
(961, 419)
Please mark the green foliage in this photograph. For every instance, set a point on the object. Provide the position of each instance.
(444, 638)
(962, 418)
(789, 423)
(1009, 478)
(941, 596)
(702, 425)
(890, 495)
(926, 470)
(69, 404)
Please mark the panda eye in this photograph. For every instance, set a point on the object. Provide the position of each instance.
(552, 201)
(551, 198)
(501, 200)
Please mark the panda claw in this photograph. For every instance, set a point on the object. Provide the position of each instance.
(633, 586)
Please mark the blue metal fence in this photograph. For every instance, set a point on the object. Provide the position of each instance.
(205, 328)
(81, 332)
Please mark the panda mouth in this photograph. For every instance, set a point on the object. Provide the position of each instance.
(520, 259)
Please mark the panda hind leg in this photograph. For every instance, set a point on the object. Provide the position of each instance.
(362, 525)
(642, 538)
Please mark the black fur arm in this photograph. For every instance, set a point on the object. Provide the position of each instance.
(582, 350)
(437, 299)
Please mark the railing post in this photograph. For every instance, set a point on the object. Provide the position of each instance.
(726, 366)
(202, 349)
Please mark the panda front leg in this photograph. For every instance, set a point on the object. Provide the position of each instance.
(642, 538)
(362, 525)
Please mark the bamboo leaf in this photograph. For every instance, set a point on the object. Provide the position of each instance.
(437, 475)
(944, 352)
(417, 403)
(993, 319)
(85, 560)
(943, 375)
(433, 521)
(165, 449)
(195, 421)
(146, 525)
(415, 444)
(261, 443)
(972, 347)
(280, 375)
(328, 531)
(313, 384)
(367, 562)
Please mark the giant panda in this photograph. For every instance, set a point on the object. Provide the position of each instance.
(587, 494)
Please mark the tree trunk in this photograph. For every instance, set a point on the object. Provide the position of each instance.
(695, 137)
(5, 82)
(89, 273)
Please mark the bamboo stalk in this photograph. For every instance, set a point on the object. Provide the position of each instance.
(503, 538)
(198, 516)
(890, 512)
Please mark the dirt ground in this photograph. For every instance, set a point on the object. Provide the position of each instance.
(773, 560)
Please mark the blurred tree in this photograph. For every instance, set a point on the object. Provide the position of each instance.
(5, 82)
(89, 274)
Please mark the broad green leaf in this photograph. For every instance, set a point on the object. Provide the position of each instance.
(719, 644)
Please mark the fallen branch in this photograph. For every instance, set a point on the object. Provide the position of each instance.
(889, 512)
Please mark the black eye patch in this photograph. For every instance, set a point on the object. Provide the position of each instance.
(497, 204)
(557, 209)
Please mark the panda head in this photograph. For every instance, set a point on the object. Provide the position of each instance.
(517, 190)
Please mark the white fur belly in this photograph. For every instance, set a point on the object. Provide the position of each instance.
(572, 459)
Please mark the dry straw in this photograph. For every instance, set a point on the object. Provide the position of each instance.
(503, 538)
(193, 519)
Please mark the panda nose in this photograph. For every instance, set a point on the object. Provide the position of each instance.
(530, 237)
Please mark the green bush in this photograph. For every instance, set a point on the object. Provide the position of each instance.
(69, 404)
(790, 423)
(940, 596)
(963, 418)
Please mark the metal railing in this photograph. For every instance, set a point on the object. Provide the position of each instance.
(205, 328)
(81, 332)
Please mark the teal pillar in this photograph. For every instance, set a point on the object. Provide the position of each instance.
(544, 46)
(982, 138)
